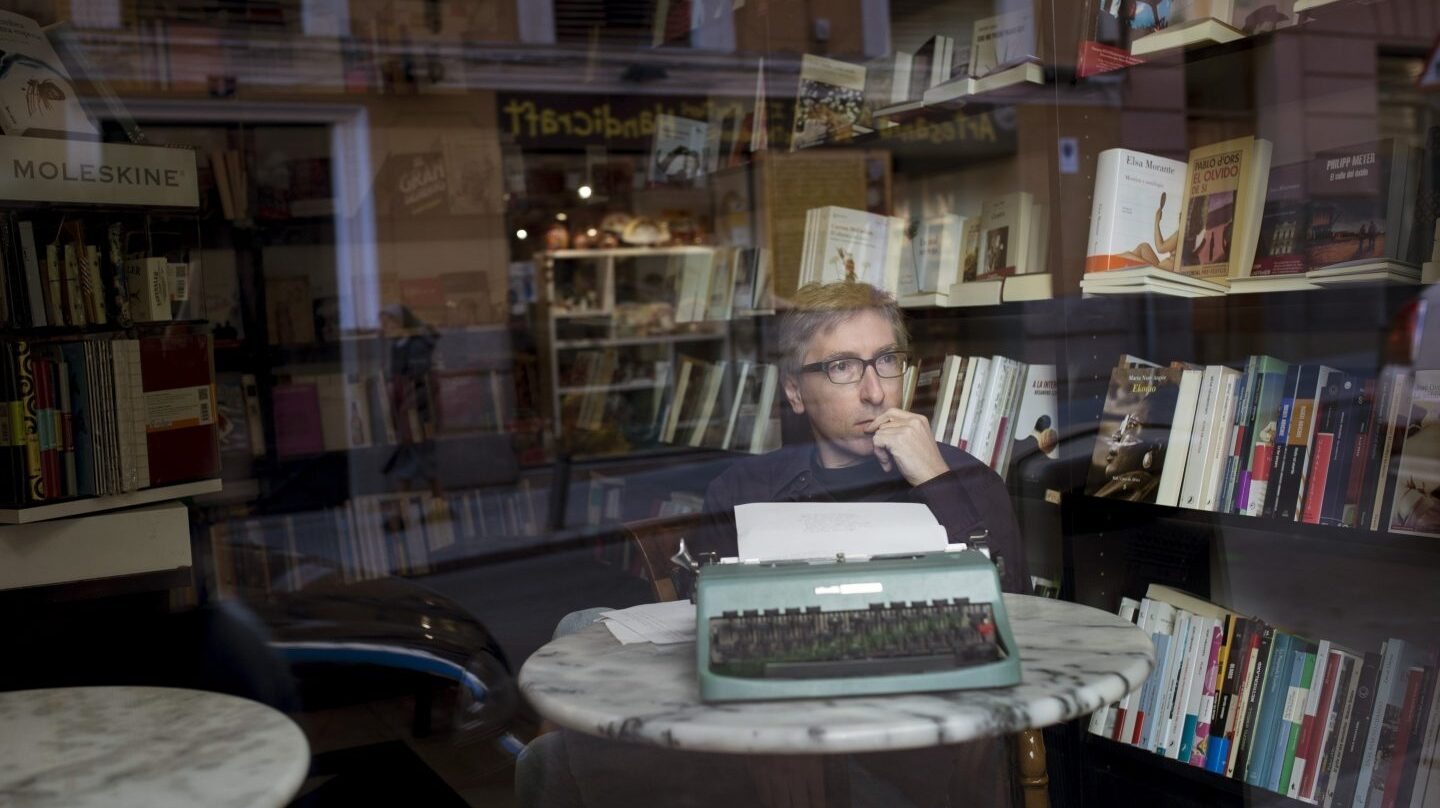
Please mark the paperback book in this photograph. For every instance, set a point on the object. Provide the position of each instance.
(1416, 506)
(1134, 433)
(1361, 205)
(36, 94)
(830, 102)
(1225, 185)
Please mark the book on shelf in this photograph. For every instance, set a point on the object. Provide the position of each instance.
(1109, 26)
(707, 418)
(693, 295)
(1414, 510)
(106, 414)
(177, 372)
(829, 102)
(1134, 434)
(1036, 430)
(933, 389)
(930, 66)
(754, 286)
(1209, 437)
(1362, 212)
(1003, 41)
(289, 316)
(1005, 236)
(1135, 215)
(1225, 188)
(965, 414)
(747, 382)
(298, 422)
(936, 249)
(36, 91)
(852, 245)
(1300, 383)
(720, 300)
(1182, 435)
(1308, 719)
(887, 80)
(677, 149)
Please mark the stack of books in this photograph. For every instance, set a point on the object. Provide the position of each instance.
(1229, 222)
(998, 409)
(1297, 442)
(1309, 719)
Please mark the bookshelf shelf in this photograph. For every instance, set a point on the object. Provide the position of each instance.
(1343, 540)
(658, 339)
(618, 387)
(1134, 766)
(81, 507)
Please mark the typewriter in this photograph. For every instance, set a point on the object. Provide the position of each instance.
(837, 627)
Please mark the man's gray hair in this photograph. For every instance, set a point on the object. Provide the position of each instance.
(819, 307)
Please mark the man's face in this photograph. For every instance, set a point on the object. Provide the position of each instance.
(839, 413)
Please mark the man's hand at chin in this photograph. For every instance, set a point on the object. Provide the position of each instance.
(903, 440)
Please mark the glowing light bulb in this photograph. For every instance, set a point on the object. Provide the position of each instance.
(522, 234)
(584, 191)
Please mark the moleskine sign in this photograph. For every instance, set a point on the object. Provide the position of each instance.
(52, 170)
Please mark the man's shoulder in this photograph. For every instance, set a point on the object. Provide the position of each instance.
(758, 476)
(964, 463)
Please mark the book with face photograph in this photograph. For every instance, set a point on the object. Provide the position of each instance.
(1134, 433)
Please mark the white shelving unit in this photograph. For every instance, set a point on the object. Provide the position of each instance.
(141, 531)
(594, 324)
(82, 507)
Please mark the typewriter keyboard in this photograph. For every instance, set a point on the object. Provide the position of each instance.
(886, 638)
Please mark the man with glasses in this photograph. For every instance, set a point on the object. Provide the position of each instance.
(843, 358)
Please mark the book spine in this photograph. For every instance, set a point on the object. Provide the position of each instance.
(1296, 446)
(1348, 439)
(1392, 783)
(1235, 443)
(1246, 697)
(1412, 788)
(1314, 489)
(1206, 713)
(1173, 687)
(1390, 455)
(1264, 684)
(1222, 732)
(1348, 789)
(1322, 687)
(1295, 720)
(1282, 436)
(35, 281)
(1380, 434)
(1333, 745)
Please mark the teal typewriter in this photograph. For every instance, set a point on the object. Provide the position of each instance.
(821, 628)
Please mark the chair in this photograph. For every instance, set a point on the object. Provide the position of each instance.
(654, 541)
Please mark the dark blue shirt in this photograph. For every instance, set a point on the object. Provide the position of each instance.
(967, 498)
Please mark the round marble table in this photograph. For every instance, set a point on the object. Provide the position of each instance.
(1073, 659)
(148, 747)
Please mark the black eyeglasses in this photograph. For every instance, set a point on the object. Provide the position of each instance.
(849, 370)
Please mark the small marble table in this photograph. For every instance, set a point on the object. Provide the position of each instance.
(147, 747)
(1073, 660)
